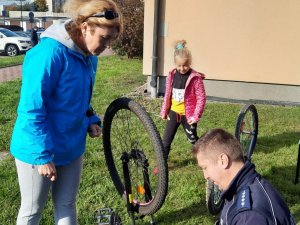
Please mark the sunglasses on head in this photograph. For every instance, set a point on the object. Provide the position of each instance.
(108, 14)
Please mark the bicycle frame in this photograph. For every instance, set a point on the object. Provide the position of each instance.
(136, 155)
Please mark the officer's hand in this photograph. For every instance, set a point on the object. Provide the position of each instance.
(48, 170)
(94, 130)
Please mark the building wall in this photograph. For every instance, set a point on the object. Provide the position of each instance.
(57, 5)
(51, 17)
(17, 14)
(148, 36)
(235, 40)
(50, 5)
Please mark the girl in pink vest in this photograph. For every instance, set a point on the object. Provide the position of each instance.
(184, 99)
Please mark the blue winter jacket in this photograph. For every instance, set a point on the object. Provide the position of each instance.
(57, 83)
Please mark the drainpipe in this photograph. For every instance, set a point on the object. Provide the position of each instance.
(153, 82)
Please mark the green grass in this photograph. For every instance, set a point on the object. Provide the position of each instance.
(11, 61)
(275, 154)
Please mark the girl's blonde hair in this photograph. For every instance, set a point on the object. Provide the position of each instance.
(81, 11)
(182, 51)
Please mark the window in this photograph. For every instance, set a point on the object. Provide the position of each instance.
(8, 33)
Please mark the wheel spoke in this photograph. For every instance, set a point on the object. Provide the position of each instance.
(246, 130)
(127, 132)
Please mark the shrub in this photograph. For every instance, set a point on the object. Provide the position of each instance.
(130, 42)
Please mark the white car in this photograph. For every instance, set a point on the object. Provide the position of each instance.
(12, 44)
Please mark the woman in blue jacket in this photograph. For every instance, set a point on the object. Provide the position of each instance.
(54, 112)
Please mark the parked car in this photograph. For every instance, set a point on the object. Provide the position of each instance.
(22, 34)
(12, 27)
(12, 44)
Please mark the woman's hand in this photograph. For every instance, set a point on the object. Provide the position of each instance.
(94, 130)
(48, 170)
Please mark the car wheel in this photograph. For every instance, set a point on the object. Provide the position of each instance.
(11, 50)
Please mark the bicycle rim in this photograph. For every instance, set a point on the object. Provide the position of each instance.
(128, 128)
(247, 129)
(214, 202)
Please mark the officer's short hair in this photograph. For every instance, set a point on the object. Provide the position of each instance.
(216, 141)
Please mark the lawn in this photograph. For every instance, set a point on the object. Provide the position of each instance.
(275, 154)
(11, 61)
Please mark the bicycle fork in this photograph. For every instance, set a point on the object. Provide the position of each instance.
(128, 188)
(131, 208)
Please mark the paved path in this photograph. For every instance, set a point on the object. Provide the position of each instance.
(14, 72)
(10, 73)
(3, 155)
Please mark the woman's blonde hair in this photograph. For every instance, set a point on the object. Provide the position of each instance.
(182, 51)
(81, 11)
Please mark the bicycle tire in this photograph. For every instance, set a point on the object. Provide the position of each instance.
(214, 202)
(246, 130)
(119, 136)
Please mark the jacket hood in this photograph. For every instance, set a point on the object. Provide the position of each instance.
(58, 32)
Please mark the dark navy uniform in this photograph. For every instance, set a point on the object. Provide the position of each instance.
(250, 200)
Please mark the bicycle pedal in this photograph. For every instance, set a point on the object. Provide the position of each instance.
(106, 216)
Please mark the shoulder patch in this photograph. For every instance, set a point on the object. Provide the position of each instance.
(244, 199)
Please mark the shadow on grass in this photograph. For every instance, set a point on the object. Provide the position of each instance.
(282, 178)
(185, 214)
(272, 143)
(175, 164)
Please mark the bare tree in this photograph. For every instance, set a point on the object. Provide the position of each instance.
(41, 5)
(130, 42)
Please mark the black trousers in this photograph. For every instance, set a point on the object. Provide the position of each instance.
(171, 129)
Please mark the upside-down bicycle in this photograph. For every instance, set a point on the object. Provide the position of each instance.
(246, 131)
(134, 156)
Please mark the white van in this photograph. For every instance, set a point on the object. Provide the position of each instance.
(12, 44)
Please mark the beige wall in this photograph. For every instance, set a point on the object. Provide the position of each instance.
(148, 36)
(237, 40)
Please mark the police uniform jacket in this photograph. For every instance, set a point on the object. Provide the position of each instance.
(250, 200)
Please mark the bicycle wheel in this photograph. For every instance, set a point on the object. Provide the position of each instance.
(214, 202)
(247, 129)
(127, 127)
